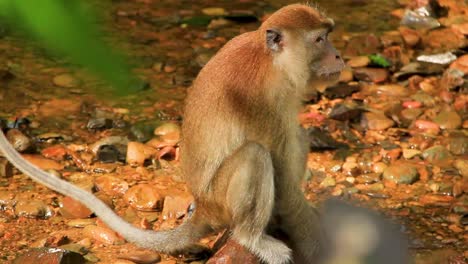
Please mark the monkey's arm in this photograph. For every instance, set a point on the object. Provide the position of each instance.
(170, 241)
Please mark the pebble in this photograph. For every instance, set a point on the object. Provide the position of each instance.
(111, 185)
(362, 45)
(448, 120)
(376, 121)
(81, 222)
(66, 80)
(411, 114)
(166, 128)
(458, 144)
(55, 152)
(99, 123)
(214, 11)
(379, 167)
(461, 64)
(328, 182)
(102, 234)
(43, 163)
(176, 205)
(112, 140)
(358, 61)
(393, 90)
(144, 197)
(49, 255)
(71, 208)
(6, 169)
(346, 75)
(436, 154)
(19, 140)
(32, 209)
(108, 154)
(427, 126)
(436, 199)
(462, 166)
(410, 153)
(141, 257)
(401, 173)
(411, 37)
(138, 152)
(411, 104)
(375, 75)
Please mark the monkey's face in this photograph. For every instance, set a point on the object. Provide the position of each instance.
(306, 55)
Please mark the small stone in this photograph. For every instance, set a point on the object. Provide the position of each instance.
(376, 121)
(393, 90)
(443, 39)
(379, 167)
(458, 144)
(166, 128)
(137, 153)
(113, 140)
(461, 64)
(411, 104)
(19, 141)
(55, 152)
(108, 154)
(436, 199)
(411, 114)
(451, 79)
(49, 256)
(401, 173)
(346, 75)
(375, 75)
(71, 208)
(410, 153)
(43, 163)
(66, 80)
(427, 126)
(462, 166)
(362, 45)
(214, 11)
(102, 234)
(111, 185)
(32, 209)
(99, 123)
(328, 182)
(358, 61)
(141, 257)
(81, 222)
(436, 154)
(410, 36)
(176, 205)
(144, 197)
(6, 169)
(448, 120)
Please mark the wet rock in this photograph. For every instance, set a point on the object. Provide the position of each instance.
(411, 104)
(77, 248)
(66, 80)
(113, 140)
(141, 257)
(346, 75)
(362, 45)
(214, 11)
(51, 137)
(111, 185)
(458, 144)
(71, 208)
(43, 163)
(6, 169)
(375, 75)
(81, 222)
(56, 152)
(461, 64)
(109, 154)
(427, 126)
(439, 58)
(368, 178)
(448, 120)
(143, 131)
(328, 182)
(345, 112)
(393, 90)
(137, 153)
(341, 90)
(19, 141)
(376, 121)
(7, 199)
(319, 139)
(436, 154)
(444, 39)
(410, 153)
(233, 253)
(401, 173)
(358, 61)
(176, 205)
(99, 123)
(144, 197)
(436, 199)
(411, 37)
(32, 209)
(452, 79)
(49, 256)
(419, 68)
(462, 167)
(102, 234)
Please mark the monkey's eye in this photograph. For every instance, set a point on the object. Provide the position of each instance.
(320, 39)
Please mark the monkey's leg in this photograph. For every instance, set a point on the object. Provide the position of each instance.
(250, 196)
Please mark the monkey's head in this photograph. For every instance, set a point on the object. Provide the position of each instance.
(296, 36)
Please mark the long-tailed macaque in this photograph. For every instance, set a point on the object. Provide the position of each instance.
(243, 154)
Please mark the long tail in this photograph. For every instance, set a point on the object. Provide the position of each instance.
(170, 241)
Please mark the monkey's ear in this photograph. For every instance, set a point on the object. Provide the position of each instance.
(274, 39)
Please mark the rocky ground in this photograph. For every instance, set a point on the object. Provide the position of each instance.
(391, 136)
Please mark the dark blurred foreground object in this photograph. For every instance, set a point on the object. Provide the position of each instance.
(359, 236)
(65, 27)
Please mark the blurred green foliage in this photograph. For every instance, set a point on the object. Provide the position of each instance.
(65, 27)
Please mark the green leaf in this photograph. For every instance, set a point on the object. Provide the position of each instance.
(64, 27)
(379, 60)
